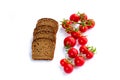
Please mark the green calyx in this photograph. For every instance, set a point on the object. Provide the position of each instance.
(64, 21)
(89, 22)
(76, 29)
(78, 13)
(83, 24)
(68, 30)
(67, 47)
(91, 48)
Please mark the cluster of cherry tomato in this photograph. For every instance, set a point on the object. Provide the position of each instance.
(74, 57)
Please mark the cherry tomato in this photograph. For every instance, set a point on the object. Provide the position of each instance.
(68, 68)
(76, 34)
(82, 40)
(83, 49)
(83, 28)
(89, 55)
(74, 17)
(69, 41)
(90, 23)
(72, 52)
(66, 23)
(79, 61)
(83, 17)
(69, 30)
(63, 62)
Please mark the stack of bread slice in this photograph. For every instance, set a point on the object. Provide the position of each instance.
(44, 39)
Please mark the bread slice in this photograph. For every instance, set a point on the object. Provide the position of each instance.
(43, 49)
(48, 21)
(45, 35)
(43, 28)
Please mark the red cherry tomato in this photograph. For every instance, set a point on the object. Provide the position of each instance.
(72, 52)
(69, 41)
(83, 28)
(68, 68)
(83, 49)
(63, 62)
(76, 34)
(79, 61)
(66, 24)
(74, 17)
(89, 55)
(83, 17)
(82, 40)
(90, 23)
(69, 30)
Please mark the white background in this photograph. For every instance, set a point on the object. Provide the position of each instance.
(18, 19)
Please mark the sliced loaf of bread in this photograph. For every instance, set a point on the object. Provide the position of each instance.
(44, 39)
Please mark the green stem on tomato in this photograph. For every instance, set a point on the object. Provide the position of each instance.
(78, 13)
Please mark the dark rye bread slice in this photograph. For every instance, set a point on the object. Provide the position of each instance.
(45, 35)
(43, 28)
(43, 49)
(48, 21)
